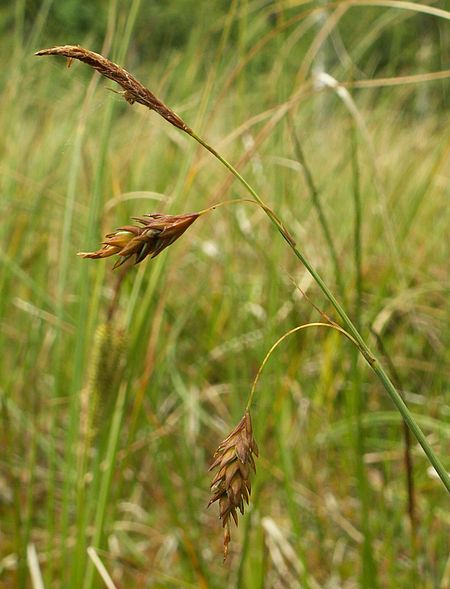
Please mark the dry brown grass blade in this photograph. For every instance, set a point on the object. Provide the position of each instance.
(133, 90)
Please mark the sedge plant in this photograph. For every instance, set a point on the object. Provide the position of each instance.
(134, 91)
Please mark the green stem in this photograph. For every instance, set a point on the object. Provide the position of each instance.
(369, 573)
(319, 208)
(107, 468)
(278, 342)
(349, 326)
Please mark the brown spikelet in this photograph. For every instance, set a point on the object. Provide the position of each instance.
(231, 486)
(133, 90)
(157, 232)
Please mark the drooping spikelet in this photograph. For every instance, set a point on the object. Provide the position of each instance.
(157, 232)
(133, 90)
(231, 486)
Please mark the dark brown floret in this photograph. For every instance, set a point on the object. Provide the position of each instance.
(157, 232)
(231, 485)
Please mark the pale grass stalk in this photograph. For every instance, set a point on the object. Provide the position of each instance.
(329, 26)
(100, 568)
(399, 4)
(445, 581)
(284, 556)
(397, 80)
(35, 570)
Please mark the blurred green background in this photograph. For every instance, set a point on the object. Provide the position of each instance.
(117, 386)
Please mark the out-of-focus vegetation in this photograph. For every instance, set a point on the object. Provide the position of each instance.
(115, 388)
(388, 42)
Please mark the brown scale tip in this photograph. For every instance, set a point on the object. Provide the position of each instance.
(231, 485)
(133, 90)
(157, 232)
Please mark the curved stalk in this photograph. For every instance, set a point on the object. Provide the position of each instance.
(349, 326)
(278, 342)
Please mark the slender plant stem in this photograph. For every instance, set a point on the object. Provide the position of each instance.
(109, 465)
(369, 575)
(318, 206)
(278, 342)
(408, 459)
(349, 326)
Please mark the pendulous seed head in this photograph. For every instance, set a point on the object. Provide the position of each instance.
(231, 485)
(133, 90)
(156, 233)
